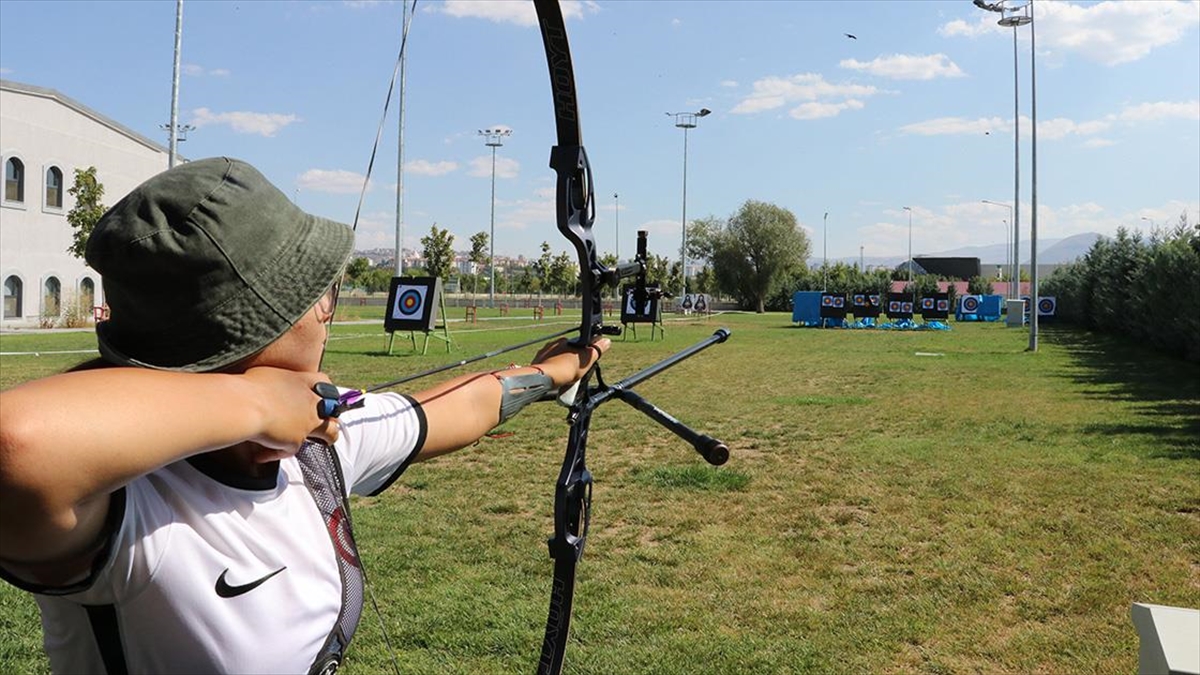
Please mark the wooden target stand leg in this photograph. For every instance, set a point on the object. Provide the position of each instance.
(445, 328)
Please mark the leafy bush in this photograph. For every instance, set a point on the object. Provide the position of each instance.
(1147, 290)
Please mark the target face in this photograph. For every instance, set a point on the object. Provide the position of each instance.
(413, 303)
(860, 300)
(894, 307)
(873, 299)
(839, 301)
(827, 301)
(943, 305)
(1046, 306)
(701, 302)
(906, 307)
(926, 303)
(409, 302)
(970, 304)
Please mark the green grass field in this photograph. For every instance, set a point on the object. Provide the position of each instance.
(972, 509)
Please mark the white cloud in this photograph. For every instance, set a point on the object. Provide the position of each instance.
(729, 83)
(907, 66)
(193, 70)
(816, 109)
(424, 167)
(945, 126)
(1059, 127)
(775, 92)
(1098, 143)
(337, 181)
(676, 21)
(507, 11)
(1161, 110)
(506, 167)
(263, 124)
(1110, 32)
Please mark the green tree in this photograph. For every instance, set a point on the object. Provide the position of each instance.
(979, 286)
(439, 251)
(563, 273)
(356, 270)
(479, 255)
(87, 191)
(756, 251)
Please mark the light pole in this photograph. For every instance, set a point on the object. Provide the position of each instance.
(910, 261)
(685, 121)
(617, 217)
(1016, 13)
(825, 254)
(617, 242)
(1016, 276)
(493, 139)
(1151, 221)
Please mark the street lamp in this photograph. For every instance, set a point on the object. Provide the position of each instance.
(825, 254)
(1151, 221)
(617, 217)
(685, 121)
(1016, 13)
(910, 260)
(1016, 276)
(493, 139)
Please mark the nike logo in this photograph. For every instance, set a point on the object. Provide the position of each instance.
(226, 591)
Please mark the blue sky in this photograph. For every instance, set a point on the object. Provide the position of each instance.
(917, 111)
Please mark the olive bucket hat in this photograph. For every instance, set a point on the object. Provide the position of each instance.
(208, 263)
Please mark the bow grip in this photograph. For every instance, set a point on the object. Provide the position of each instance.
(328, 406)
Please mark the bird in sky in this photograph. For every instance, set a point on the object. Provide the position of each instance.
(852, 37)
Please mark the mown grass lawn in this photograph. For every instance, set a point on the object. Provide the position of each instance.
(971, 509)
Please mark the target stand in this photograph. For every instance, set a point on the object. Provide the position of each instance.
(415, 304)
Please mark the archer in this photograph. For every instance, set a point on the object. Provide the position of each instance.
(181, 504)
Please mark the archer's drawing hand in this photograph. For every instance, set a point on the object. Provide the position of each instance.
(290, 411)
(566, 364)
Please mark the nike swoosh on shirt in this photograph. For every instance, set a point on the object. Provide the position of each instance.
(226, 591)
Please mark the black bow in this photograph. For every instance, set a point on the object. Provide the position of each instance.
(575, 213)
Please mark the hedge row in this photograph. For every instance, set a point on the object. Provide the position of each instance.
(1147, 289)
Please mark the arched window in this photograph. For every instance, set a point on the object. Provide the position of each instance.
(52, 297)
(54, 191)
(14, 180)
(87, 293)
(13, 290)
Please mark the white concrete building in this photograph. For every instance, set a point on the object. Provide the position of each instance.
(44, 138)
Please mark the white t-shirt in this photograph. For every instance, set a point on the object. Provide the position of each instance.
(207, 573)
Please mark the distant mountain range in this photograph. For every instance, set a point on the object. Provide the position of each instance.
(1050, 252)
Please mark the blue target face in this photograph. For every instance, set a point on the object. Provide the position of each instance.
(860, 300)
(827, 300)
(906, 307)
(943, 305)
(926, 303)
(970, 304)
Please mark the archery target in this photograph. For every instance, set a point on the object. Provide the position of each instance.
(833, 306)
(860, 300)
(899, 306)
(866, 305)
(970, 304)
(701, 303)
(413, 303)
(688, 301)
(409, 302)
(873, 299)
(1047, 305)
(647, 313)
(935, 306)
